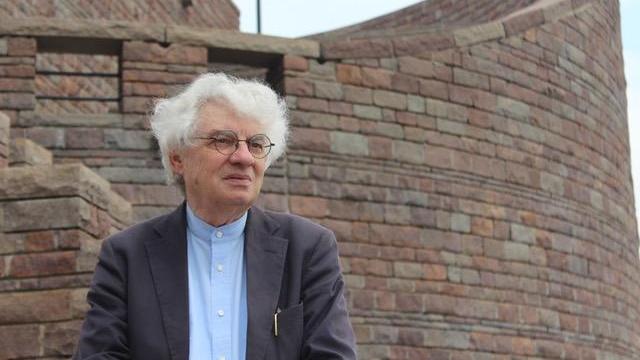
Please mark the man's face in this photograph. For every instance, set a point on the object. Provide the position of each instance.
(217, 181)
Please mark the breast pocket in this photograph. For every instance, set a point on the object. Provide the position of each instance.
(289, 340)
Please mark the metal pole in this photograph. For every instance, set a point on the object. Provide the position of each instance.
(259, 18)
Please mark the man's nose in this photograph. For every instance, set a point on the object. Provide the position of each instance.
(242, 154)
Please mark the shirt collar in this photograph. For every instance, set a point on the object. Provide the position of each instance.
(203, 230)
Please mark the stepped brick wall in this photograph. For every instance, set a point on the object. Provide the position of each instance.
(476, 173)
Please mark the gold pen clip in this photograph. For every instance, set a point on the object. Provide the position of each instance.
(275, 322)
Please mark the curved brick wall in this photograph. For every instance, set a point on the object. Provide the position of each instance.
(480, 186)
(220, 14)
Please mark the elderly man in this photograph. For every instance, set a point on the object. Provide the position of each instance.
(219, 278)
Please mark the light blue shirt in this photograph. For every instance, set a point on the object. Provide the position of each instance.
(217, 289)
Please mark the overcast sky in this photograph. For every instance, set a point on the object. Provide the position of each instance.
(295, 18)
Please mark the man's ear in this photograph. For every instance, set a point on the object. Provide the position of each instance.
(175, 158)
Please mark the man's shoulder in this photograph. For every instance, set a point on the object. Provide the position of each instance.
(292, 222)
(135, 234)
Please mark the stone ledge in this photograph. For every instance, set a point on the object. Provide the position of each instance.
(25, 152)
(32, 118)
(234, 40)
(43, 182)
(103, 29)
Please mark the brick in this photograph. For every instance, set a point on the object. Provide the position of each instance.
(156, 53)
(347, 143)
(471, 79)
(413, 66)
(298, 86)
(42, 264)
(461, 223)
(310, 139)
(84, 138)
(46, 213)
(367, 112)
(18, 46)
(390, 99)
(348, 74)
(18, 101)
(3, 46)
(479, 33)
(16, 85)
(17, 341)
(128, 139)
(61, 338)
(376, 78)
(327, 69)
(416, 104)
(313, 104)
(358, 95)
(17, 71)
(27, 307)
(434, 89)
(308, 206)
(327, 90)
(408, 152)
(405, 83)
(26, 152)
(297, 63)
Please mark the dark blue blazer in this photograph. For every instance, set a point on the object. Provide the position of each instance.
(139, 306)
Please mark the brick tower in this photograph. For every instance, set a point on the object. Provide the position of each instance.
(471, 156)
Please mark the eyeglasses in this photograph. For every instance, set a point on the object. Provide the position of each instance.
(227, 142)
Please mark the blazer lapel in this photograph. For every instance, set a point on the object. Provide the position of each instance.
(265, 259)
(168, 261)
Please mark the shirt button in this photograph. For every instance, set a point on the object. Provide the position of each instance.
(219, 234)
(219, 267)
(220, 313)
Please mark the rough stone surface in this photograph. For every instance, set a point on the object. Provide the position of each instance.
(26, 152)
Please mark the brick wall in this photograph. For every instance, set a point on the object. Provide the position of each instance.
(477, 176)
(476, 186)
(220, 14)
(53, 218)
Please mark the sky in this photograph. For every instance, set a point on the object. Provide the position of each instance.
(295, 18)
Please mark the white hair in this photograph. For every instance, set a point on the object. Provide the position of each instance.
(174, 120)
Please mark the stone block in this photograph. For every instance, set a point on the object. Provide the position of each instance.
(367, 112)
(328, 90)
(3, 46)
(234, 40)
(128, 139)
(48, 137)
(20, 46)
(46, 214)
(349, 144)
(25, 152)
(17, 101)
(417, 67)
(358, 95)
(60, 338)
(416, 104)
(297, 63)
(83, 28)
(298, 86)
(390, 99)
(132, 175)
(35, 306)
(63, 182)
(19, 341)
(513, 108)
(461, 223)
(308, 206)
(348, 74)
(479, 33)
(156, 53)
(84, 138)
(410, 152)
(376, 78)
(310, 139)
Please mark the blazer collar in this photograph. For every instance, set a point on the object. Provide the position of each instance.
(265, 259)
(168, 261)
(265, 255)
